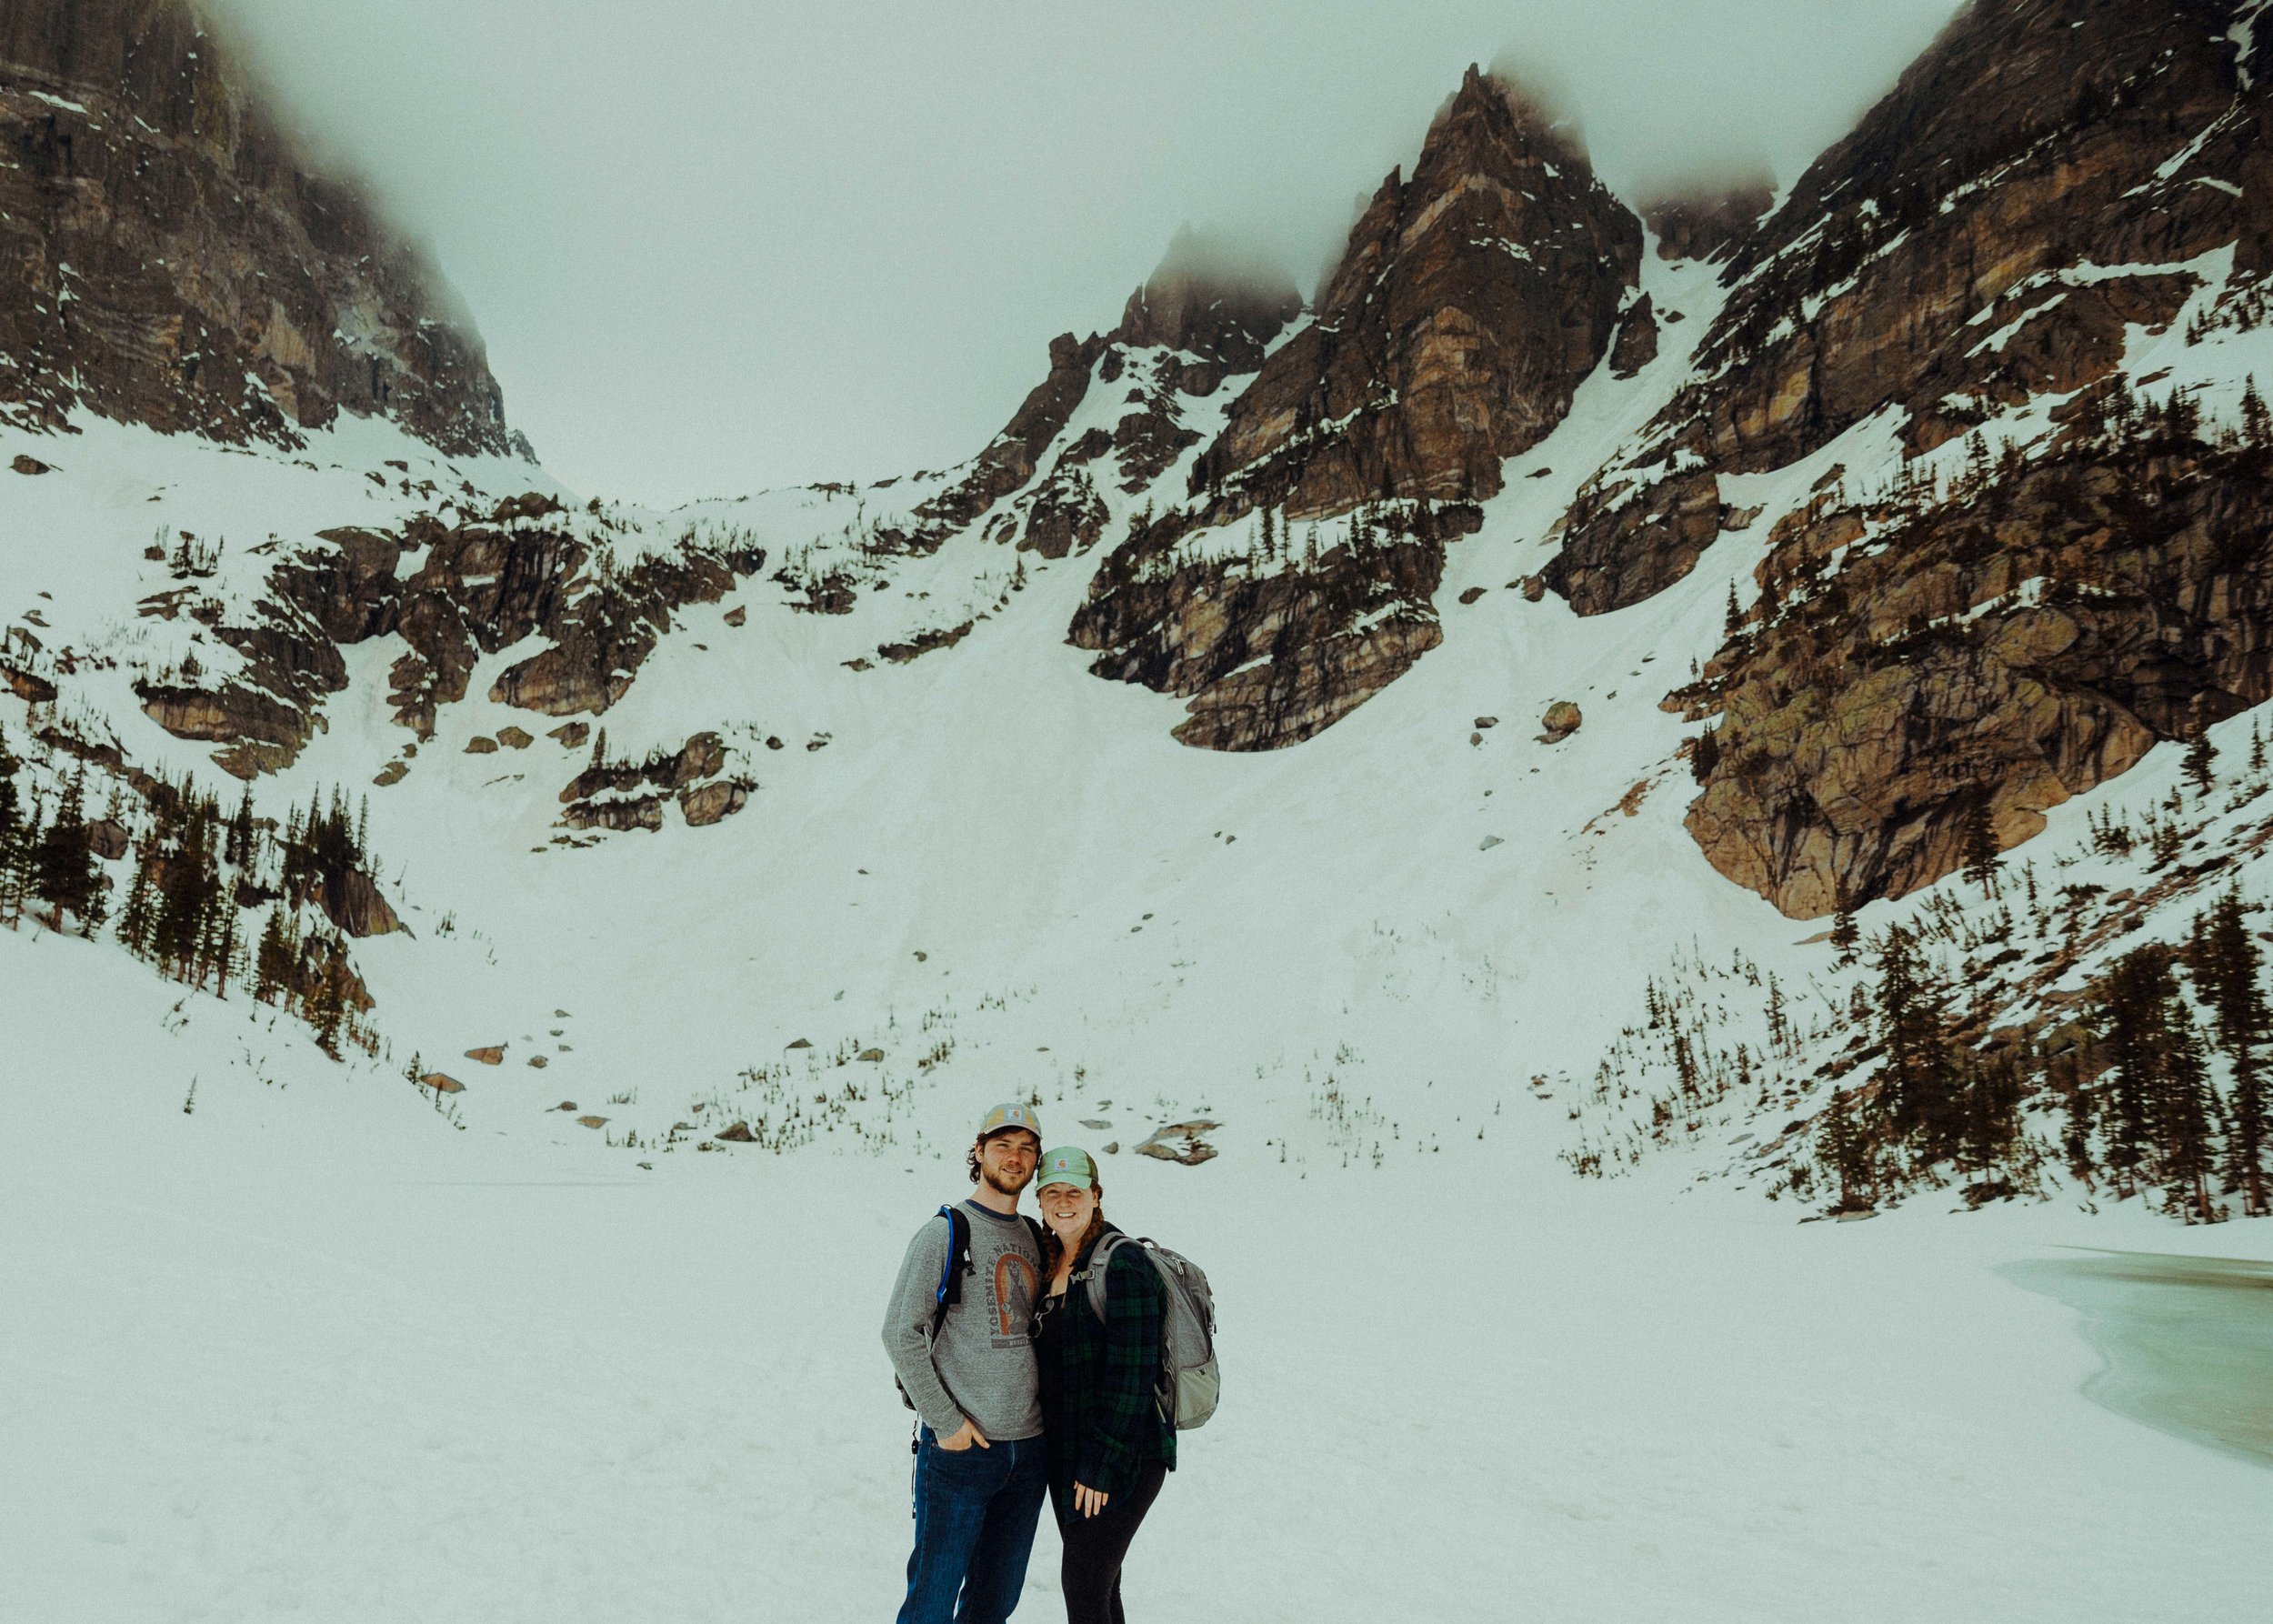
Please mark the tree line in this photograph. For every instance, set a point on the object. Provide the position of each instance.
(198, 876)
(2160, 1091)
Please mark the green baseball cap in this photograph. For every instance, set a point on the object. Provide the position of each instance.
(1003, 1118)
(1066, 1164)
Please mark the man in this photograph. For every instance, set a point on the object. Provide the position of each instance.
(981, 1467)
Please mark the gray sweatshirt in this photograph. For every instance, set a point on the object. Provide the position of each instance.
(982, 1363)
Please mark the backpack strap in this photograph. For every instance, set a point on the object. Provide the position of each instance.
(1098, 1260)
(950, 1291)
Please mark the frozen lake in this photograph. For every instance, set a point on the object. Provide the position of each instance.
(2187, 1342)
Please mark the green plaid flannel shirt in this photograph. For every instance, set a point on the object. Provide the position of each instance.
(1107, 1421)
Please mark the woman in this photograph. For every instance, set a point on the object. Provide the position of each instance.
(1109, 1446)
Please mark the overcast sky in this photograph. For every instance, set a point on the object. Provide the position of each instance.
(715, 245)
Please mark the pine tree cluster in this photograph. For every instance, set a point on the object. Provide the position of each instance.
(2146, 1110)
(196, 873)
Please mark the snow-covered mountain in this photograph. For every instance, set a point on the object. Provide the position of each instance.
(1395, 735)
(1935, 493)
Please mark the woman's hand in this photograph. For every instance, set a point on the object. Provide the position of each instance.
(1088, 1501)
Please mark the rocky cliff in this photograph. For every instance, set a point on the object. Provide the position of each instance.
(2048, 182)
(1994, 650)
(2037, 146)
(168, 256)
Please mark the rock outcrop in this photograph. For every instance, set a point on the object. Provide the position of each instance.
(1269, 655)
(631, 795)
(479, 582)
(169, 256)
(1470, 302)
(2009, 647)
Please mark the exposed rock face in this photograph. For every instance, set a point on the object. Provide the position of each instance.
(1637, 344)
(168, 258)
(351, 899)
(2016, 646)
(1267, 657)
(2036, 143)
(628, 795)
(1469, 304)
(481, 583)
(1006, 464)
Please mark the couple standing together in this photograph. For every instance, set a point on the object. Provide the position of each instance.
(1027, 1383)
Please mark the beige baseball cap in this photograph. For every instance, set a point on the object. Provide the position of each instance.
(1005, 1119)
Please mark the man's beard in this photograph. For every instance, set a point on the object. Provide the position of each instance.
(995, 1181)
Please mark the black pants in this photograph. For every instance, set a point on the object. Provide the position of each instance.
(1091, 1573)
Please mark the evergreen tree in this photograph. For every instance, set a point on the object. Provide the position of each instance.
(1844, 1145)
(2135, 1025)
(239, 849)
(273, 961)
(135, 920)
(1705, 756)
(2226, 968)
(65, 875)
(2182, 1119)
(11, 813)
(1916, 1071)
(1845, 933)
(1995, 1087)
(2257, 422)
(2199, 755)
(1980, 851)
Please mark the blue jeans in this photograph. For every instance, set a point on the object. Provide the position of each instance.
(975, 1515)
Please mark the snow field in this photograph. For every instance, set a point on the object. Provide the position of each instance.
(297, 1355)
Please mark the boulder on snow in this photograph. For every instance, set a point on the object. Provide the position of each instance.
(739, 1134)
(800, 1043)
(706, 804)
(1471, 594)
(481, 744)
(106, 839)
(30, 464)
(871, 1054)
(490, 1055)
(592, 1121)
(1181, 1142)
(565, 1105)
(539, 1061)
(393, 772)
(737, 615)
(571, 735)
(514, 739)
(1483, 723)
(443, 1083)
(1562, 719)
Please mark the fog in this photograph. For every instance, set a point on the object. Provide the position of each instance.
(714, 245)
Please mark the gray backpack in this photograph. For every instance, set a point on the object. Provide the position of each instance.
(1188, 1383)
